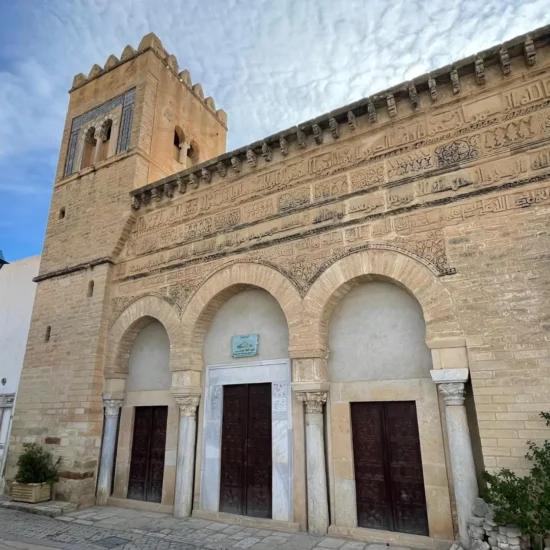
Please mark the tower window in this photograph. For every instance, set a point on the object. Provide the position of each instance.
(90, 289)
(105, 133)
(90, 143)
(62, 213)
(48, 333)
(178, 144)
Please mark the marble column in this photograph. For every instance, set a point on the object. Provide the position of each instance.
(104, 482)
(317, 496)
(451, 385)
(185, 462)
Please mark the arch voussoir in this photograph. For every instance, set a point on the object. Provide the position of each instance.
(134, 318)
(222, 285)
(412, 275)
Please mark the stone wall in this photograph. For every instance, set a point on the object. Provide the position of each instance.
(441, 186)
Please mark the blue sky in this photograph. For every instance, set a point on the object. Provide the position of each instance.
(269, 64)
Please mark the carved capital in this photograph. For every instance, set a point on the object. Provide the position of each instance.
(251, 158)
(136, 203)
(453, 393)
(313, 400)
(334, 128)
(301, 138)
(112, 406)
(222, 169)
(188, 404)
(352, 122)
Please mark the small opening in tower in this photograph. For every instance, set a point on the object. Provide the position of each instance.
(48, 333)
(105, 139)
(90, 143)
(90, 289)
(178, 142)
(62, 213)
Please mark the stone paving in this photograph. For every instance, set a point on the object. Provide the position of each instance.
(106, 527)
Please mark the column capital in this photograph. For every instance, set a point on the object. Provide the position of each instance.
(188, 404)
(312, 400)
(112, 406)
(453, 393)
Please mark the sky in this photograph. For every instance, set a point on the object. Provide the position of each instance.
(269, 64)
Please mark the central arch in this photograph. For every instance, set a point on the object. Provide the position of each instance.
(223, 285)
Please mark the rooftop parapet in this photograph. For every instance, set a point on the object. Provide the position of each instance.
(151, 42)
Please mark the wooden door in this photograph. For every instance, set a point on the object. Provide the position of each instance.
(246, 467)
(388, 467)
(147, 461)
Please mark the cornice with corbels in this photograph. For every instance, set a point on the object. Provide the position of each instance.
(313, 133)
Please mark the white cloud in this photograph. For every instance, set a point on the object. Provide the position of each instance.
(269, 64)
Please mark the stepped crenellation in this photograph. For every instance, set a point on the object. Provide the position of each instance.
(389, 102)
(151, 42)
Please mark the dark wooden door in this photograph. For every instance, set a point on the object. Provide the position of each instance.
(388, 467)
(147, 461)
(246, 468)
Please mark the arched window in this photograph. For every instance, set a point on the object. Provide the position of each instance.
(89, 147)
(106, 130)
(178, 144)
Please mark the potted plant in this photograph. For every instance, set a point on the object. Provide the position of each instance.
(36, 475)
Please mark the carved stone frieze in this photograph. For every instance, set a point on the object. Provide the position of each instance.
(462, 150)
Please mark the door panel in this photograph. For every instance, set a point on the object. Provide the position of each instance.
(407, 479)
(156, 454)
(246, 468)
(258, 452)
(388, 467)
(140, 453)
(372, 490)
(147, 460)
(233, 455)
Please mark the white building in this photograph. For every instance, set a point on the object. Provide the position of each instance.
(16, 300)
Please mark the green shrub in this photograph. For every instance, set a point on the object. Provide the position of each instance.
(36, 465)
(524, 501)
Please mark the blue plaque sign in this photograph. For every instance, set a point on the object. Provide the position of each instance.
(245, 345)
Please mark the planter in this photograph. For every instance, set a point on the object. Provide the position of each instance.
(31, 492)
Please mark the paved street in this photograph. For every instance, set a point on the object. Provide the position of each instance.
(102, 528)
